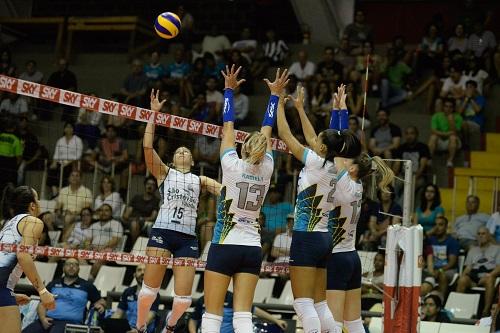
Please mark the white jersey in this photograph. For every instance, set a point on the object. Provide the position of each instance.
(244, 187)
(180, 196)
(315, 194)
(347, 202)
(10, 270)
(79, 236)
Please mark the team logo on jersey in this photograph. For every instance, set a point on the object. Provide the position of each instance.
(224, 216)
(308, 202)
(336, 226)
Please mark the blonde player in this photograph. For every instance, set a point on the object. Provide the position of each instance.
(173, 232)
(23, 229)
(235, 252)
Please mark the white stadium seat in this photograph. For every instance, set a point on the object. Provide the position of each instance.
(462, 305)
(109, 278)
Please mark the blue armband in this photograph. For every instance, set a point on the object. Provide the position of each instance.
(228, 109)
(272, 107)
(334, 120)
(343, 119)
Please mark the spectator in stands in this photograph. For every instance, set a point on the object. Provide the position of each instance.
(177, 74)
(187, 24)
(266, 235)
(398, 48)
(79, 235)
(111, 150)
(214, 96)
(276, 210)
(430, 50)
(475, 73)
(108, 195)
(127, 307)
(68, 150)
(135, 85)
(282, 242)
(321, 105)
(329, 69)
(445, 129)
(493, 223)
(454, 85)
(274, 52)
(393, 84)
(377, 65)
(154, 69)
(430, 209)
(65, 79)
(11, 152)
(482, 43)
(358, 32)
(433, 310)
(415, 151)
(482, 267)
(471, 109)
(372, 286)
(31, 72)
(107, 235)
(195, 81)
(33, 153)
(212, 67)
(206, 153)
(458, 42)
(355, 95)
(88, 125)
(14, 105)
(73, 294)
(442, 259)
(355, 127)
(6, 66)
(385, 137)
(466, 226)
(72, 199)
(201, 110)
(215, 43)
(142, 209)
(241, 107)
(344, 56)
(236, 59)
(303, 68)
(246, 45)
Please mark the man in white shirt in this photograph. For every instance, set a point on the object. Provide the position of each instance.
(454, 86)
(303, 69)
(31, 73)
(72, 199)
(282, 242)
(215, 43)
(14, 105)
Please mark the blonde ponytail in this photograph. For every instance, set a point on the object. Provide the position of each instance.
(386, 174)
(255, 147)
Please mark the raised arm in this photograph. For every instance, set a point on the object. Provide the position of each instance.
(153, 162)
(286, 135)
(277, 87)
(339, 118)
(307, 127)
(210, 185)
(230, 83)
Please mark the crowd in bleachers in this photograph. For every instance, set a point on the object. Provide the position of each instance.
(454, 67)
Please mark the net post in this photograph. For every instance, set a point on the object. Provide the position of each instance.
(408, 194)
(44, 179)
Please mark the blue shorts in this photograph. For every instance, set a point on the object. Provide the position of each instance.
(179, 244)
(231, 259)
(310, 249)
(343, 271)
(7, 297)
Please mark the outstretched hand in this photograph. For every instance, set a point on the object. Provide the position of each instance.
(280, 81)
(298, 102)
(231, 77)
(156, 105)
(339, 98)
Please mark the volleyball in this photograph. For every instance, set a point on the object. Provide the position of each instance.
(167, 25)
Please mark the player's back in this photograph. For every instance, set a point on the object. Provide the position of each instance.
(10, 271)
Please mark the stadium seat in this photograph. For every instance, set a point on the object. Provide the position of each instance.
(85, 271)
(462, 305)
(46, 270)
(121, 244)
(263, 290)
(54, 236)
(457, 328)
(138, 248)
(375, 325)
(430, 327)
(109, 278)
(366, 258)
(286, 296)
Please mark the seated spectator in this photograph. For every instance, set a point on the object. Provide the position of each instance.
(385, 137)
(241, 107)
(433, 310)
(482, 267)
(238, 60)
(154, 70)
(430, 50)
(442, 259)
(393, 84)
(266, 236)
(79, 235)
(398, 47)
(7, 67)
(142, 210)
(34, 154)
(31, 73)
(482, 43)
(196, 81)
(187, 24)
(488, 321)
(475, 73)
(246, 45)
(215, 99)
(355, 127)
(430, 209)
(207, 153)
(212, 67)
(135, 85)
(276, 210)
(303, 69)
(355, 96)
(127, 307)
(201, 110)
(177, 74)
(454, 86)
(471, 109)
(372, 286)
(445, 129)
(329, 69)
(109, 196)
(274, 52)
(292, 89)
(72, 199)
(493, 223)
(282, 242)
(466, 226)
(358, 32)
(73, 293)
(11, 153)
(65, 79)
(321, 105)
(14, 105)
(215, 43)
(377, 64)
(88, 126)
(344, 56)
(458, 42)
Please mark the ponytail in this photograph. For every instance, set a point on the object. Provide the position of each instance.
(255, 147)
(367, 165)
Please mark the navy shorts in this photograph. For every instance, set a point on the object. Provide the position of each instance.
(7, 297)
(343, 271)
(231, 259)
(310, 249)
(179, 244)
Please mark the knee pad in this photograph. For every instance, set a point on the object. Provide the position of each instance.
(147, 291)
(328, 323)
(355, 326)
(182, 300)
(304, 307)
(242, 322)
(210, 323)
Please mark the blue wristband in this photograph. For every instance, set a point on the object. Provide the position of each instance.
(335, 120)
(344, 119)
(228, 110)
(270, 116)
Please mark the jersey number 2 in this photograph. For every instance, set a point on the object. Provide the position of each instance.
(245, 188)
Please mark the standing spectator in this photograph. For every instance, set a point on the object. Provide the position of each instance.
(458, 42)
(385, 137)
(215, 43)
(442, 261)
(358, 32)
(393, 84)
(466, 226)
(14, 105)
(73, 294)
(109, 196)
(69, 149)
(31, 73)
(6, 65)
(241, 106)
(79, 234)
(88, 125)
(246, 45)
(433, 310)
(454, 85)
(72, 199)
(127, 307)
(329, 69)
(430, 209)
(63, 78)
(33, 153)
(282, 242)
(135, 85)
(11, 152)
(214, 96)
(303, 69)
(482, 42)
(445, 129)
(482, 267)
(142, 209)
(154, 70)
(276, 210)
